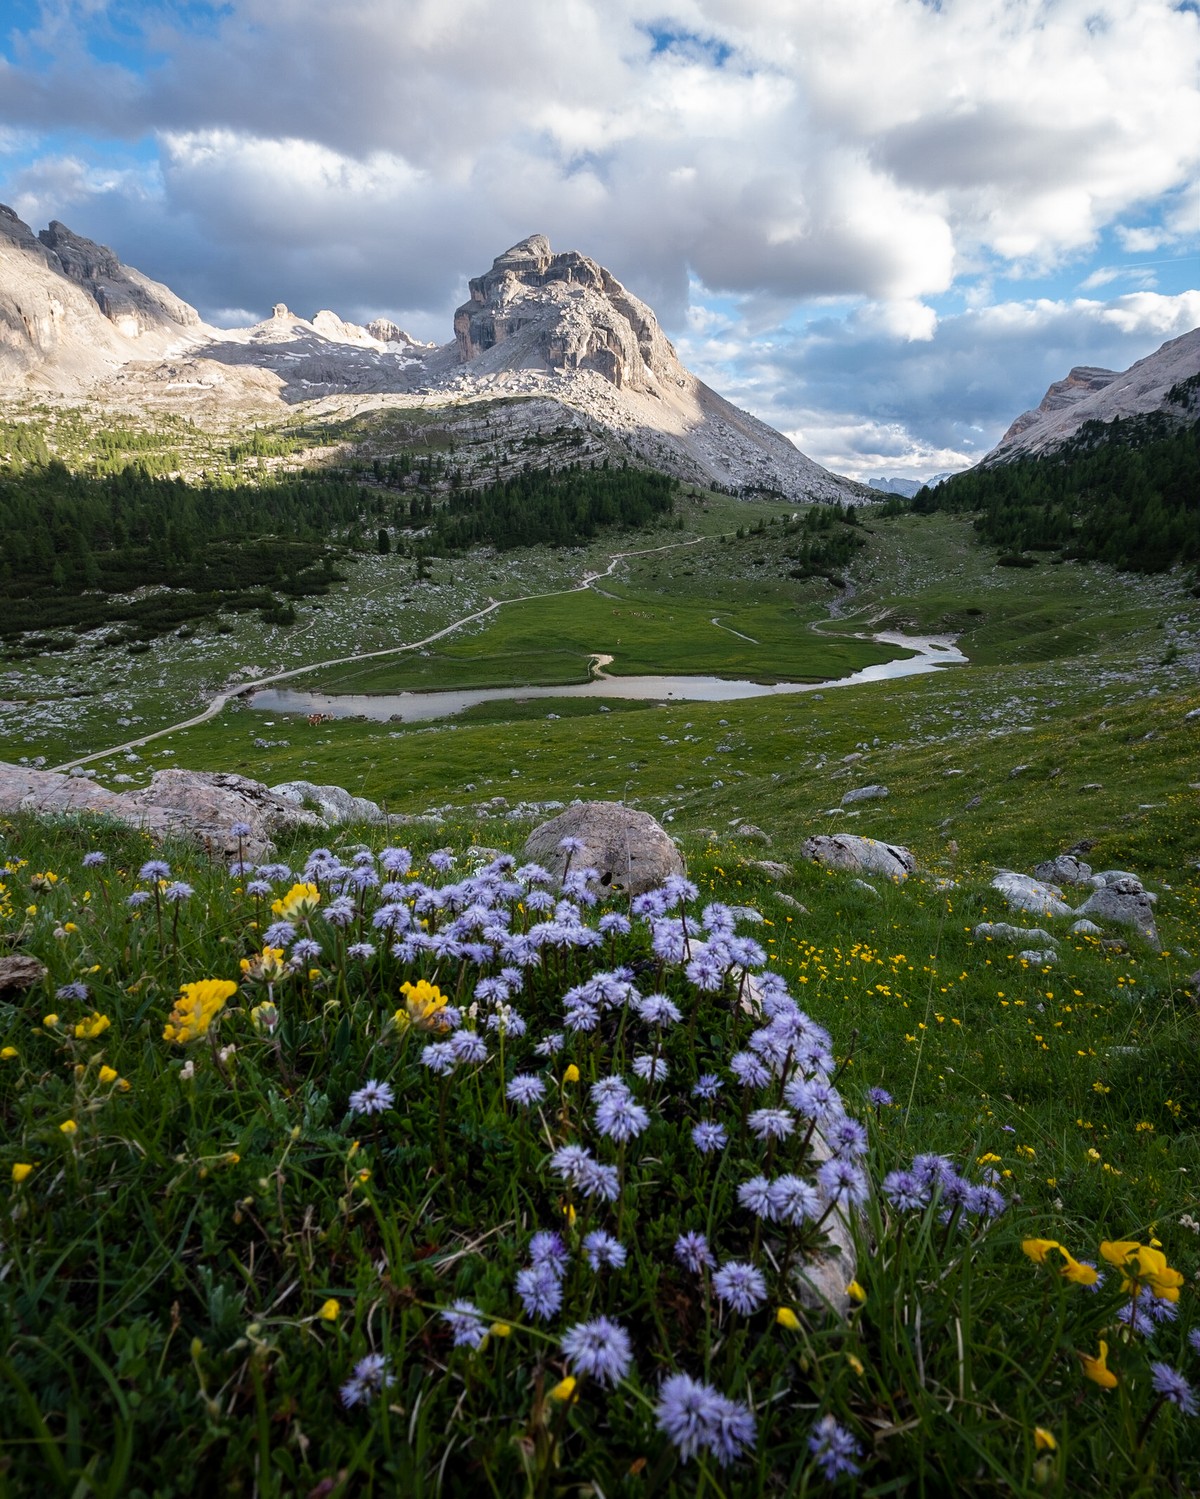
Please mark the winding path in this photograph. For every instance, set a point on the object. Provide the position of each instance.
(218, 703)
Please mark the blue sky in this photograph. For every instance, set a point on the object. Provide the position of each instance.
(884, 226)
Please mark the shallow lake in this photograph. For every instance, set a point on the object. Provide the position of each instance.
(930, 653)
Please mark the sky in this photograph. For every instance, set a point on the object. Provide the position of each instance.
(883, 226)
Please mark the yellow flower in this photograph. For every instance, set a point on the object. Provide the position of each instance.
(50, 1021)
(1143, 1265)
(264, 1018)
(1040, 1250)
(500, 1329)
(95, 1025)
(564, 1389)
(989, 1159)
(330, 1311)
(1097, 1368)
(1044, 1440)
(423, 1005)
(266, 967)
(299, 902)
(571, 1075)
(1037, 1249)
(196, 1008)
(856, 1292)
(20, 1170)
(31, 910)
(787, 1318)
(107, 1075)
(69, 1127)
(8, 1052)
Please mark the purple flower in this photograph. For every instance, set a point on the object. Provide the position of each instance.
(795, 1201)
(1174, 1387)
(76, 991)
(771, 1124)
(613, 924)
(547, 1248)
(755, 1195)
(372, 1098)
(740, 1286)
(650, 1069)
(600, 1181)
(813, 1098)
(154, 870)
(834, 1448)
(602, 1249)
(692, 1251)
(1193, 1338)
(905, 1191)
(620, 1118)
(138, 898)
(361, 952)
(550, 1045)
(571, 1161)
(469, 1046)
(258, 888)
(540, 1290)
(600, 1348)
(94, 860)
(239, 830)
(707, 1085)
(751, 1071)
(396, 860)
(696, 1418)
(707, 1137)
(441, 860)
(369, 1377)
(880, 1097)
(933, 1171)
(279, 934)
(439, 1057)
(846, 1137)
(466, 1324)
(525, 1089)
(657, 1009)
(844, 1183)
(706, 972)
(571, 845)
(305, 951)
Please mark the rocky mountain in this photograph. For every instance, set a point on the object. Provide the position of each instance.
(557, 332)
(71, 313)
(1089, 394)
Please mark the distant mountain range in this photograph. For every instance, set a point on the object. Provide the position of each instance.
(905, 487)
(1089, 394)
(556, 331)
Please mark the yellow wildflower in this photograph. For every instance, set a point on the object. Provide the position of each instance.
(500, 1329)
(856, 1292)
(196, 1008)
(264, 1018)
(299, 902)
(787, 1318)
(423, 1005)
(855, 1363)
(330, 1311)
(69, 1127)
(107, 1075)
(95, 1025)
(20, 1170)
(1097, 1368)
(8, 1052)
(1143, 1265)
(1072, 1269)
(1044, 1440)
(50, 1021)
(571, 1075)
(266, 967)
(564, 1389)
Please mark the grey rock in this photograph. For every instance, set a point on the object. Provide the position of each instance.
(790, 900)
(751, 831)
(19, 972)
(865, 794)
(1132, 908)
(629, 848)
(1002, 931)
(863, 885)
(1023, 893)
(1085, 928)
(859, 855)
(332, 803)
(1066, 869)
(1039, 957)
(771, 867)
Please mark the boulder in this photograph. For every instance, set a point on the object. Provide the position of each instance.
(19, 971)
(865, 794)
(330, 802)
(632, 852)
(1001, 931)
(1085, 928)
(1066, 869)
(1039, 957)
(1133, 908)
(1023, 893)
(859, 855)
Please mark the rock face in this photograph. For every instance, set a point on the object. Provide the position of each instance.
(70, 312)
(1003, 931)
(187, 803)
(1023, 893)
(1091, 395)
(859, 855)
(865, 794)
(1066, 869)
(630, 850)
(331, 803)
(1126, 903)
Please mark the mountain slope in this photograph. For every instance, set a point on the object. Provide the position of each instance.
(1098, 395)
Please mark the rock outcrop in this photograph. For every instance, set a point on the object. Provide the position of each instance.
(859, 855)
(629, 850)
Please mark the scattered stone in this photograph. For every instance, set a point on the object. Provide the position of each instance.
(771, 867)
(863, 885)
(859, 855)
(1017, 770)
(1114, 944)
(1065, 870)
(790, 900)
(976, 801)
(1085, 928)
(865, 794)
(749, 830)
(1092, 786)
(329, 802)
(629, 848)
(20, 972)
(1126, 907)
(1023, 893)
(1002, 931)
(1039, 957)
